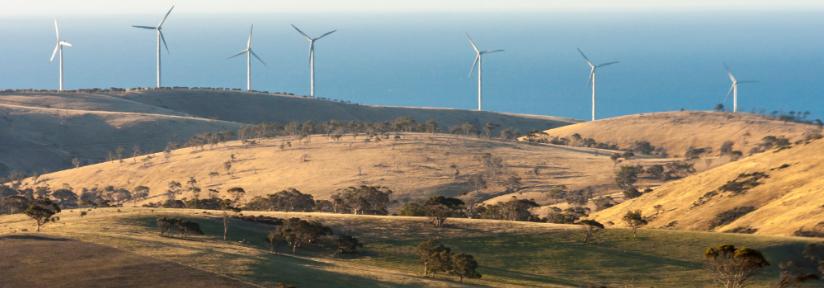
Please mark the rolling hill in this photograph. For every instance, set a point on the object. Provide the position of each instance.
(678, 131)
(44, 131)
(509, 254)
(777, 192)
(417, 165)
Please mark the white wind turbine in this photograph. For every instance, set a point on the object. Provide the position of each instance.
(312, 56)
(479, 61)
(58, 49)
(159, 31)
(249, 53)
(734, 88)
(593, 69)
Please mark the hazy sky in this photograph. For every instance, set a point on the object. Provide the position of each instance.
(111, 7)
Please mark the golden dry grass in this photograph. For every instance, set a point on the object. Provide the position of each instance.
(44, 131)
(415, 166)
(678, 131)
(785, 202)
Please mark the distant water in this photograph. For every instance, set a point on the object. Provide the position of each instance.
(668, 60)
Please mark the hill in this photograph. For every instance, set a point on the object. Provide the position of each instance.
(45, 131)
(510, 254)
(676, 132)
(413, 165)
(777, 192)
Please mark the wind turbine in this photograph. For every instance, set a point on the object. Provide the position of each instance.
(734, 88)
(593, 69)
(159, 31)
(249, 53)
(312, 56)
(58, 49)
(479, 61)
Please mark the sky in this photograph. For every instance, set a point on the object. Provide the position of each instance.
(109, 7)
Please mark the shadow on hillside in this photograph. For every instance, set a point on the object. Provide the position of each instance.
(31, 237)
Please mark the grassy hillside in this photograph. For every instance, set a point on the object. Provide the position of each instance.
(780, 189)
(510, 254)
(678, 131)
(46, 130)
(36, 139)
(417, 165)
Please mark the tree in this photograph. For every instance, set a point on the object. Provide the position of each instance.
(488, 128)
(627, 176)
(733, 266)
(43, 211)
(348, 244)
(656, 171)
(66, 198)
(635, 220)
(362, 200)
(718, 107)
(274, 238)
(591, 227)
(139, 193)
(440, 207)
(300, 233)
(464, 265)
(194, 189)
(286, 200)
(435, 257)
(173, 188)
(232, 205)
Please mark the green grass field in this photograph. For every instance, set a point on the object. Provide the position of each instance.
(510, 254)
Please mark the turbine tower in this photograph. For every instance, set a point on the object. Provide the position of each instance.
(593, 69)
(312, 56)
(159, 34)
(249, 53)
(58, 49)
(479, 62)
(734, 88)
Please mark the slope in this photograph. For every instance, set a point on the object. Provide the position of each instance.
(44, 131)
(678, 131)
(776, 193)
(416, 165)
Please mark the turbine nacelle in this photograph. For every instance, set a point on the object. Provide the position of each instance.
(478, 53)
(159, 28)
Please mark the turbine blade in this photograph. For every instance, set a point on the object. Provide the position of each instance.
(591, 75)
(326, 34)
(164, 17)
(54, 53)
(472, 42)
(163, 39)
(301, 32)
(584, 55)
(728, 94)
(64, 43)
(257, 57)
(144, 27)
(249, 41)
(238, 54)
(729, 73)
(474, 64)
(608, 63)
(56, 30)
(494, 51)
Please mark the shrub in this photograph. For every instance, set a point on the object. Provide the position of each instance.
(172, 226)
(729, 216)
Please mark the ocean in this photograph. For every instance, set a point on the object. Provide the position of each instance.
(669, 60)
